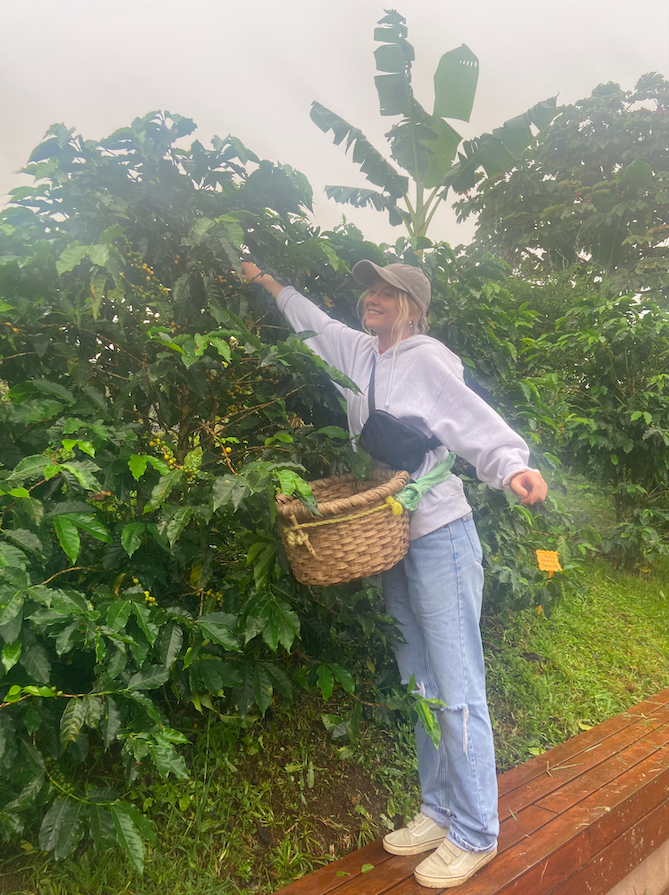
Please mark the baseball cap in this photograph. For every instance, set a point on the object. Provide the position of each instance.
(402, 276)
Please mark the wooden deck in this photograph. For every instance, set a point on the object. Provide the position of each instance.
(574, 821)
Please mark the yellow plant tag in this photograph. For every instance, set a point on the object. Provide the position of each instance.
(548, 561)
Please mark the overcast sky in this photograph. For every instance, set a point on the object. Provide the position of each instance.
(252, 68)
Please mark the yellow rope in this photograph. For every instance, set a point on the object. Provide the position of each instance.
(296, 536)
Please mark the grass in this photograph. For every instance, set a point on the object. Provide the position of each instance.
(599, 653)
(270, 801)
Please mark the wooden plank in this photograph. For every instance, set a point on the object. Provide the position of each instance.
(621, 856)
(382, 879)
(651, 779)
(575, 837)
(327, 879)
(557, 776)
(409, 886)
(563, 753)
(585, 784)
(513, 829)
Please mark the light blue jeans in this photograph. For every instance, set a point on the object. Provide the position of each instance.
(435, 594)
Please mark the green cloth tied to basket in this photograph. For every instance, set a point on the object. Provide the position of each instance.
(411, 495)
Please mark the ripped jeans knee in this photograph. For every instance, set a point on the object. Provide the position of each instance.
(421, 691)
(464, 708)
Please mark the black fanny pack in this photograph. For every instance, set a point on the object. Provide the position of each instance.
(389, 440)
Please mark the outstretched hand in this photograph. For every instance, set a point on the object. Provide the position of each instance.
(530, 486)
(251, 273)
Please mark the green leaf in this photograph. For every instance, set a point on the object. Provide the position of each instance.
(361, 198)
(149, 678)
(101, 827)
(216, 627)
(83, 473)
(262, 688)
(128, 837)
(111, 233)
(163, 489)
(230, 489)
(112, 722)
(59, 830)
(282, 625)
(496, 152)
(11, 653)
(98, 283)
(171, 640)
(443, 149)
(11, 603)
(36, 662)
(116, 664)
(220, 344)
(216, 673)
(93, 710)
(85, 446)
(25, 539)
(344, 677)
(91, 525)
(137, 465)
(118, 614)
(280, 680)
(138, 462)
(427, 718)
(63, 641)
(167, 760)
(177, 524)
(325, 680)
(71, 721)
(372, 164)
(19, 492)
(33, 788)
(29, 468)
(199, 230)
(131, 537)
(72, 256)
(159, 465)
(68, 536)
(143, 823)
(638, 173)
(143, 616)
(12, 556)
(455, 82)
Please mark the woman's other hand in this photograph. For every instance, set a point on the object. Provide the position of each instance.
(530, 486)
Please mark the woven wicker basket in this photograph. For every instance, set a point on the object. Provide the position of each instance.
(345, 548)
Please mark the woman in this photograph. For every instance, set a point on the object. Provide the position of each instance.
(435, 592)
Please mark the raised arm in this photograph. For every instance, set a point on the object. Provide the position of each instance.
(338, 344)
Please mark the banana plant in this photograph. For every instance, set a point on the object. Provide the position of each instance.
(422, 144)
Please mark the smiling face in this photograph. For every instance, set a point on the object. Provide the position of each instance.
(381, 309)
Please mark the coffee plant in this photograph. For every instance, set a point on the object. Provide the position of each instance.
(149, 414)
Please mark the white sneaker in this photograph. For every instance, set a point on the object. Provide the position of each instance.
(451, 866)
(420, 834)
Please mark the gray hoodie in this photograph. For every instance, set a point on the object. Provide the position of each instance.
(421, 382)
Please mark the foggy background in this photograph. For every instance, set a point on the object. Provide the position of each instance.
(252, 68)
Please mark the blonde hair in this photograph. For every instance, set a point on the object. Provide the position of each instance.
(407, 310)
